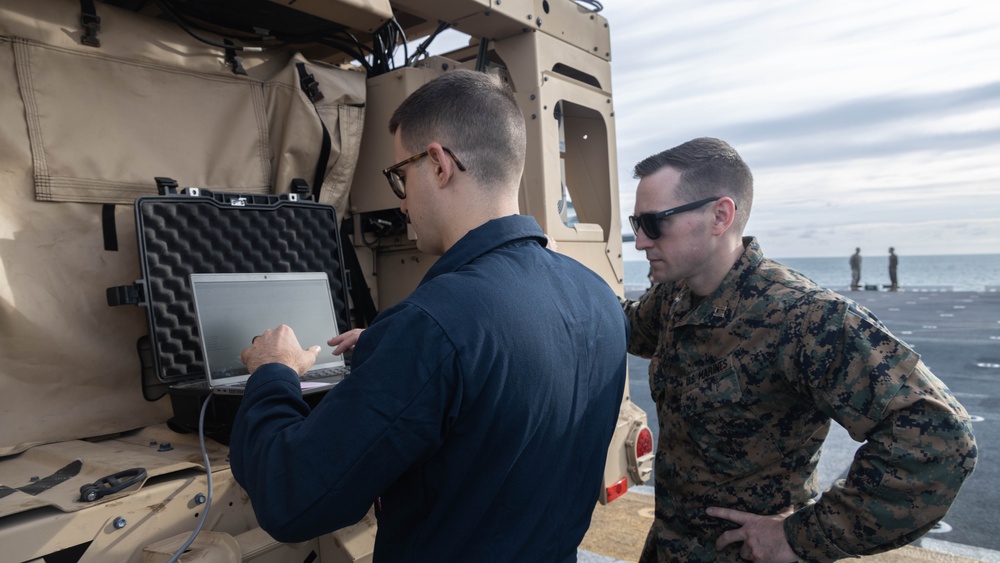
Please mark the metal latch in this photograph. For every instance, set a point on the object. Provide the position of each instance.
(111, 484)
(165, 186)
(126, 294)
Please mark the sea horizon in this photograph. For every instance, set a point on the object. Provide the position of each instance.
(933, 272)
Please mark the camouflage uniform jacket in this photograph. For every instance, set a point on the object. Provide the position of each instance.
(745, 385)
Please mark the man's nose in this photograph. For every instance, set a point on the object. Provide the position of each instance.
(642, 242)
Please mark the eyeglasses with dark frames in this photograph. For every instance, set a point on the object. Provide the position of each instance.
(398, 182)
(649, 223)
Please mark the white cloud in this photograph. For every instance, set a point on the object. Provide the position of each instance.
(859, 119)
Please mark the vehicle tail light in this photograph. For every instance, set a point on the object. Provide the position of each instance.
(640, 453)
(618, 489)
(643, 443)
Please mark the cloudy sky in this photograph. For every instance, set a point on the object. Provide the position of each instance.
(870, 124)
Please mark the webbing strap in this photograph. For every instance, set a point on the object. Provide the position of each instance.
(311, 89)
(109, 227)
(91, 23)
(361, 294)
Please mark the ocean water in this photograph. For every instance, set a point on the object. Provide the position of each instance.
(970, 272)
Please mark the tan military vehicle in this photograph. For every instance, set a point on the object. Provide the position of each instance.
(242, 103)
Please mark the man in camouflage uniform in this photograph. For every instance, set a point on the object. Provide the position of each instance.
(749, 362)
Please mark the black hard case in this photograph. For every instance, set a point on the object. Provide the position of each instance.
(197, 231)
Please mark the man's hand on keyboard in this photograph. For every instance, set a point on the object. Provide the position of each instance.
(345, 341)
(279, 345)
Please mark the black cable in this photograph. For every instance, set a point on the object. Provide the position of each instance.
(596, 6)
(183, 25)
(385, 46)
(384, 41)
(354, 41)
(286, 38)
(361, 58)
(422, 48)
(402, 34)
(481, 54)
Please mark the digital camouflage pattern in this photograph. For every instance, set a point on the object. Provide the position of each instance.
(746, 383)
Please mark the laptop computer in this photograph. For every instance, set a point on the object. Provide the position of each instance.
(233, 308)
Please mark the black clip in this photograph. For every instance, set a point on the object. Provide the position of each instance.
(165, 186)
(311, 88)
(111, 484)
(125, 295)
(91, 25)
(309, 84)
(234, 60)
(299, 187)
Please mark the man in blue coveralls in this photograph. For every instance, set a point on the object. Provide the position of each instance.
(479, 410)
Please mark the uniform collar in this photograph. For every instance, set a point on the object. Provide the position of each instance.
(721, 306)
(484, 238)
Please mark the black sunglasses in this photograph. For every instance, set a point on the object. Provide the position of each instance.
(649, 223)
(398, 182)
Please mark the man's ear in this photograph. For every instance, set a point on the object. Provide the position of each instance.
(724, 215)
(443, 165)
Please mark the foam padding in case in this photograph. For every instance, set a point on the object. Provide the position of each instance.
(182, 235)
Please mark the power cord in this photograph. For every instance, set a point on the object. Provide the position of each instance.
(187, 29)
(208, 472)
(385, 41)
(422, 48)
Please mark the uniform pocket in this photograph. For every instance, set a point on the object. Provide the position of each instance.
(722, 424)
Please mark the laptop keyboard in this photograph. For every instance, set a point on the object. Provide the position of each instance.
(341, 372)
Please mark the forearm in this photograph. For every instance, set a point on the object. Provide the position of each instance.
(902, 481)
(296, 488)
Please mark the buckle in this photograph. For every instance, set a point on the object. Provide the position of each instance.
(91, 25)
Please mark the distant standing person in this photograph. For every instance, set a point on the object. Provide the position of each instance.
(856, 269)
(893, 262)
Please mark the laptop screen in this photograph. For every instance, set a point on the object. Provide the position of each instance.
(233, 308)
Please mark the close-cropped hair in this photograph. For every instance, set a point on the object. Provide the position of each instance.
(475, 115)
(708, 167)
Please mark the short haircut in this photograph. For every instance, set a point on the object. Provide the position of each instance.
(476, 116)
(708, 167)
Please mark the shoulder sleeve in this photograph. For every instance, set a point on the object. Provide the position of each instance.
(308, 473)
(919, 447)
(645, 318)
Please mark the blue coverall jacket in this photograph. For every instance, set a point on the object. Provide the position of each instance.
(479, 413)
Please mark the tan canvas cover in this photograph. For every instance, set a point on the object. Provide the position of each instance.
(81, 127)
(52, 474)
